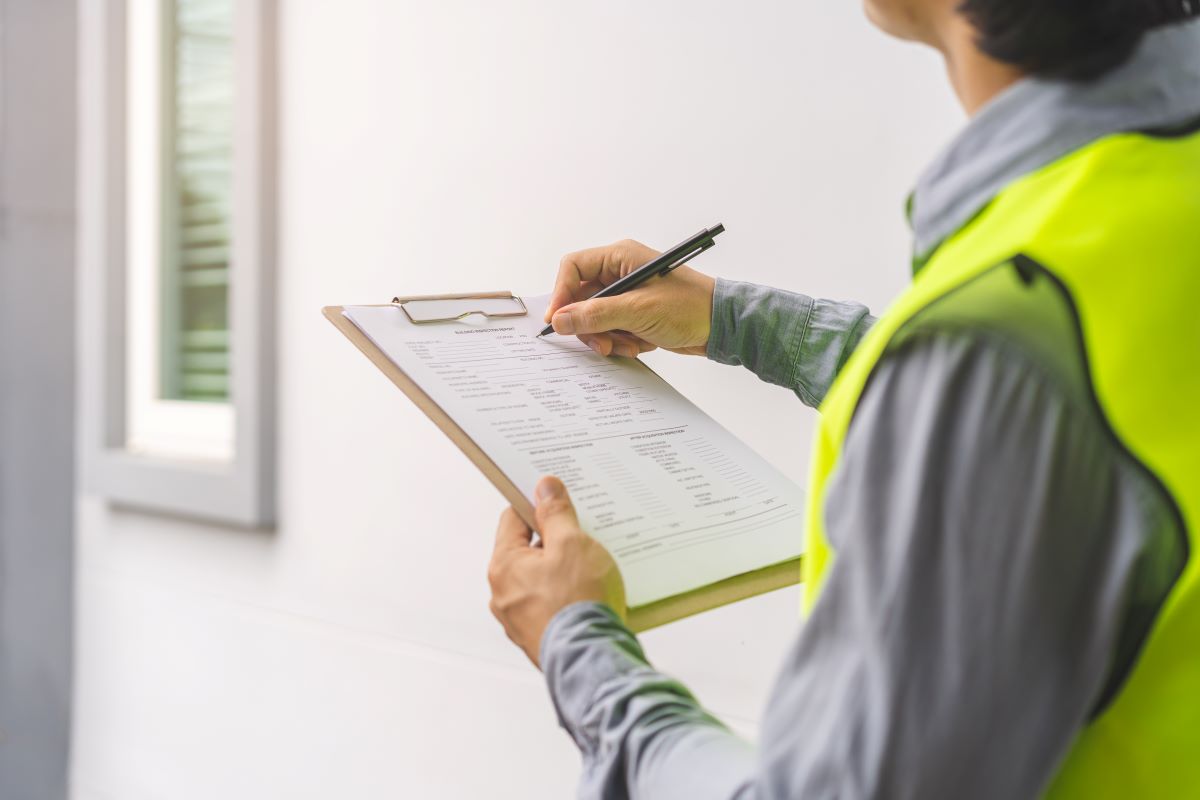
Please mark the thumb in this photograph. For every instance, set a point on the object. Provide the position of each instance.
(599, 315)
(560, 298)
(554, 512)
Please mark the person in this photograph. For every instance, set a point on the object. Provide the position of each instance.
(1005, 491)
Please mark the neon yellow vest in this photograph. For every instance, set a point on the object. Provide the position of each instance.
(1093, 263)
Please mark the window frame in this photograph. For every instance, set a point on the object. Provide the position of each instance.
(239, 490)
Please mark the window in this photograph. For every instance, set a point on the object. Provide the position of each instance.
(176, 255)
(179, 173)
(198, 185)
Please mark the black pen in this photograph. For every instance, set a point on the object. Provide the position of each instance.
(677, 255)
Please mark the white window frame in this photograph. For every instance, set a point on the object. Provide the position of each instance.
(209, 461)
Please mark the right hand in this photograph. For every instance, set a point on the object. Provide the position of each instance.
(673, 312)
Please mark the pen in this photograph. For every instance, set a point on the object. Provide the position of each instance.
(679, 254)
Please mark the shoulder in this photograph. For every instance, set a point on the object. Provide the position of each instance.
(978, 383)
(970, 426)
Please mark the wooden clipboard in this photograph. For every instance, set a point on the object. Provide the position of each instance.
(432, 410)
(640, 618)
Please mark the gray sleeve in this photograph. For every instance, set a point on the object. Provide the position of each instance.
(641, 733)
(990, 540)
(784, 338)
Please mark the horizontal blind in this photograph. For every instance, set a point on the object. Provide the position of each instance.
(196, 286)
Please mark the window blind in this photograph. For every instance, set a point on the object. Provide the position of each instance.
(198, 203)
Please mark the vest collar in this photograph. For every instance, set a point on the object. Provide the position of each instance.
(1036, 122)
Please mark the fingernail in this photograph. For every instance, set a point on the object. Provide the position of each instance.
(547, 490)
(563, 322)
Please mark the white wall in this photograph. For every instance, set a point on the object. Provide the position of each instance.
(467, 145)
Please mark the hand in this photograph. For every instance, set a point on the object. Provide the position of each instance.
(673, 312)
(531, 583)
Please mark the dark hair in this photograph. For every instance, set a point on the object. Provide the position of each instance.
(1076, 40)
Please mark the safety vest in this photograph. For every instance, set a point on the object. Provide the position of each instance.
(1092, 265)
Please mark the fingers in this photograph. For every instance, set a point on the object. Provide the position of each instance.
(628, 345)
(582, 274)
(616, 344)
(600, 315)
(512, 532)
(554, 512)
(583, 292)
(575, 271)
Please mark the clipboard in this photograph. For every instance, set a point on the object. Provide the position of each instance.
(639, 618)
(422, 400)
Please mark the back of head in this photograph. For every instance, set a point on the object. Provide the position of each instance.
(1077, 40)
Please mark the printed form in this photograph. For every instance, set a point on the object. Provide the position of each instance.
(679, 501)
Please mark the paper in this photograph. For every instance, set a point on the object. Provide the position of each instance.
(678, 500)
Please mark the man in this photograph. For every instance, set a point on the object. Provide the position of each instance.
(1006, 480)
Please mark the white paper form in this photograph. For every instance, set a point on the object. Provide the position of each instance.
(678, 500)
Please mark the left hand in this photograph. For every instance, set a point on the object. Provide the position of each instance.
(530, 584)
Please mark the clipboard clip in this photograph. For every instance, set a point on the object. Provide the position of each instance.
(429, 308)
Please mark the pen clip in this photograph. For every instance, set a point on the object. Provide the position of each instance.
(707, 243)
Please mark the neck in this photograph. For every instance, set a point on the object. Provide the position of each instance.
(975, 76)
